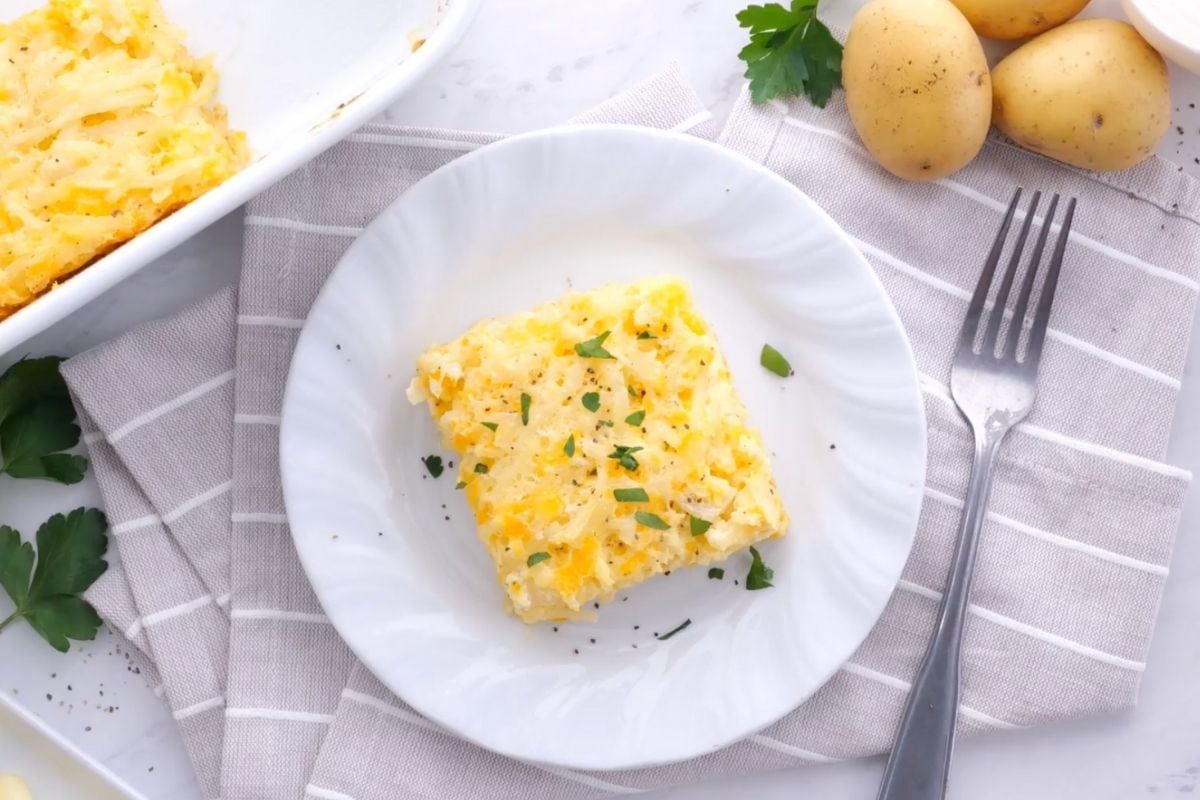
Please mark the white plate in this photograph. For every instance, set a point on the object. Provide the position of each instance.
(297, 76)
(1172, 27)
(392, 553)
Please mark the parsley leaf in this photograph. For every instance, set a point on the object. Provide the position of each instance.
(460, 485)
(37, 423)
(760, 575)
(591, 401)
(634, 495)
(491, 426)
(773, 360)
(69, 551)
(698, 526)
(569, 447)
(651, 521)
(433, 464)
(624, 456)
(594, 348)
(526, 400)
(481, 468)
(636, 417)
(791, 52)
(674, 630)
(537, 558)
(716, 573)
(646, 335)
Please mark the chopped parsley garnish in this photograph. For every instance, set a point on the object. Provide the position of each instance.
(433, 464)
(760, 575)
(774, 361)
(537, 558)
(606, 423)
(631, 391)
(569, 447)
(481, 468)
(594, 348)
(716, 573)
(635, 495)
(460, 485)
(591, 401)
(651, 521)
(646, 335)
(699, 526)
(37, 423)
(636, 417)
(624, 456)
(491, 426)
(674, 630)
(525, 401)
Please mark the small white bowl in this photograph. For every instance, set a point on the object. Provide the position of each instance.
(1172, 27)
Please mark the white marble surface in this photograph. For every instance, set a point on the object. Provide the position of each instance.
(530, 63)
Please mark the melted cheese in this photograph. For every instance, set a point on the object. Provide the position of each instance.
(531, 494)
(106, 125)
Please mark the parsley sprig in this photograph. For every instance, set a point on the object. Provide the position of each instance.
(791, 52)
(37, 423)
(69, 558)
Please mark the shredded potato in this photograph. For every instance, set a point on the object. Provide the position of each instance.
(590, 474)
(107, 125)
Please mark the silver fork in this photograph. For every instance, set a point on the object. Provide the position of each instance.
(993, 382)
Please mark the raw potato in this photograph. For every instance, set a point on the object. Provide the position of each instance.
(1016, 19)
(1091, 93)
(917, 86)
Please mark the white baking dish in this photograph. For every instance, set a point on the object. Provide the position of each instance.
(297, 76)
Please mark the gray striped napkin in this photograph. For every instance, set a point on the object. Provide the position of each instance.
(1077, 541)
(155, 405)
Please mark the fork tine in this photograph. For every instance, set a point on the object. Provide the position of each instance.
(995, 321)
(966, 340)
(1031, 273)
(1037, 334)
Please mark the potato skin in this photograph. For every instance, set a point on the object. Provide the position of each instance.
(1091, 93)
(1016, 19)
(917, 86)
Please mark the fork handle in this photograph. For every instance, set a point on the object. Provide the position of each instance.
(919, 764)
